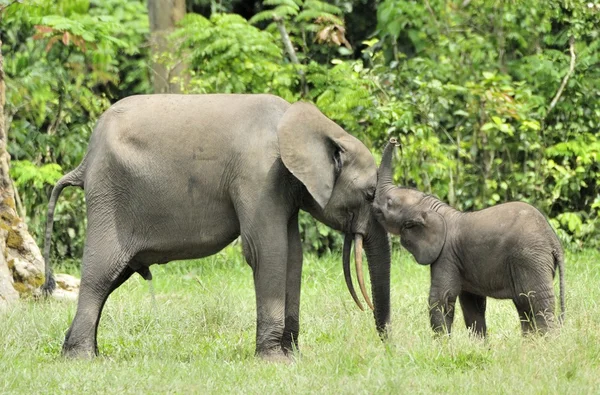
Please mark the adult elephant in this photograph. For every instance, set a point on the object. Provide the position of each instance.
(170, 177)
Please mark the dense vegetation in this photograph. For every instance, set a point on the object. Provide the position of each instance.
(492, 100)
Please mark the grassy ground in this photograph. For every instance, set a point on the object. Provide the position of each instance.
(199, 338)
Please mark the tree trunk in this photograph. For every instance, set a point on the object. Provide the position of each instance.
(21, 263)
(166, 72)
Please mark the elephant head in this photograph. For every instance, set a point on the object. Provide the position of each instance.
(409, 213)
(340, 176)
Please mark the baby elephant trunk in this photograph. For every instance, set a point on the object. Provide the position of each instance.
(385, 173)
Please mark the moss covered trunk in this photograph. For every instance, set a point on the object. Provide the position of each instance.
(21, 263)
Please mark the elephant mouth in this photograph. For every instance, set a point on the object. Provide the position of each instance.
(358, 246)
(377, 212)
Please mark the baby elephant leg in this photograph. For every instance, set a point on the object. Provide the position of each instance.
(534, 298)
(445, 287)
(536, 311)
(473, 308)
(441, 311)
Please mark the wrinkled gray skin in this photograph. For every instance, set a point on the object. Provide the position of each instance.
(508, 251)
(171, 177)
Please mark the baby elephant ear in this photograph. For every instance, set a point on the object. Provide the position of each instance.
(425, 238)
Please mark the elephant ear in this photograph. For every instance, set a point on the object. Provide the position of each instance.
(425, 236)
(310, 145)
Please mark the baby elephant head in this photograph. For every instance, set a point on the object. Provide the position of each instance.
(408, 213)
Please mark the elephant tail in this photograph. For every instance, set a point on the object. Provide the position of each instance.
(73, 178)
(559, 262)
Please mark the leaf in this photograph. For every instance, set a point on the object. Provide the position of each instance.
(51, 42)
(43, 29)
(266, 15)
(290, 3)
(488, 126)
(371, 42)
(285, 10)
(488, 75)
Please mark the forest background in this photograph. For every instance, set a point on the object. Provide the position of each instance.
(492, 100)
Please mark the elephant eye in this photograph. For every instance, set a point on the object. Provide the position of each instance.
(339, 163)
(409, 224)
(370, 196)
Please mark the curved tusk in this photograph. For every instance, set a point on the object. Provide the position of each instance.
(346, 265)
(359, 272)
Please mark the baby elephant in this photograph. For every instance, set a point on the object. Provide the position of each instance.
(508, 251)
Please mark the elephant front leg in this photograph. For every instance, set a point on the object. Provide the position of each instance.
(473, 308)
(445, 286)
(289, 342)
(267, 255)
(441, 312)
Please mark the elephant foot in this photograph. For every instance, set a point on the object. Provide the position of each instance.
(78, 351)
(440, 335)
(289, 345)
(276, 356)
(292, 353)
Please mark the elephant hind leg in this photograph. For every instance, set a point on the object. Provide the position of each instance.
(473, 308)
(536, 311)
(98, 280)
(533, 290)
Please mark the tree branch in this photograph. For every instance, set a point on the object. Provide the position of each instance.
(431, 12)
(287, 43)
(18, 203)
(289, 48)
(566, 77)
(61, 98)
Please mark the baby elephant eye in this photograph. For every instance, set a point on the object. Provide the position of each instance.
(409, 224)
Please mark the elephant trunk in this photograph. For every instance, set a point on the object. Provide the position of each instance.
(377, 249)
(385, 173)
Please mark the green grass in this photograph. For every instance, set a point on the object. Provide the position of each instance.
(199, 338)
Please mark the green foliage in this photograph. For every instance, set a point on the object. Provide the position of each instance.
(317, 237)
(465, 86)
(473, 85)
(23, 172)
(228, 55)
(305, 12)
(64, 61)
(310, 24)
